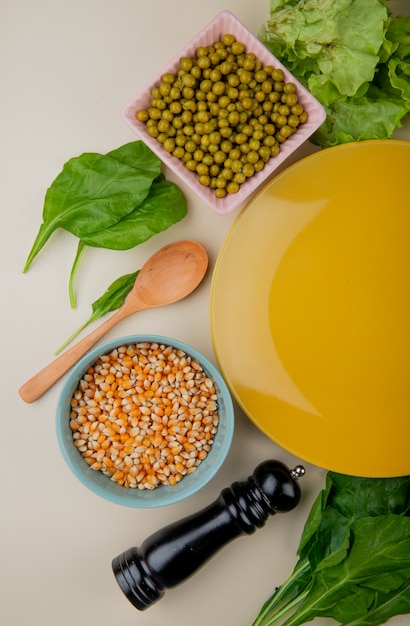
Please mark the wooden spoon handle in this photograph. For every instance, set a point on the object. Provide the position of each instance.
(43, 380)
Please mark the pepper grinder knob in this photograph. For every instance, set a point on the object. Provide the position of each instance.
(172, 554)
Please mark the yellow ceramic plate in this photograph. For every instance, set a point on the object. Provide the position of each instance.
(310, 309)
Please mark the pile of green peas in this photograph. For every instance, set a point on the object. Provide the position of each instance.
(223, 114)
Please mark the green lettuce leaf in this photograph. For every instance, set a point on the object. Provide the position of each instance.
(358, 119)
(353, 56)
(341, 39)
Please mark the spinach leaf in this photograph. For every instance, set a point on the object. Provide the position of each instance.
(354, 556)
(95, 191)
(378, 561)
(388, 605)
(137, 155)
(164, 205)
(111, 300)
(81, 248)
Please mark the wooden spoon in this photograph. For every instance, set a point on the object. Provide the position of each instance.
(169, 275)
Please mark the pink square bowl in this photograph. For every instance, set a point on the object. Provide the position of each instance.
(223, 23)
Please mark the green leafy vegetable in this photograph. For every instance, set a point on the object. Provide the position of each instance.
(81, 248)
(116, 201)
(352, 55)
(95, 191)
(164, 205)
(354, 556)
(111, 300)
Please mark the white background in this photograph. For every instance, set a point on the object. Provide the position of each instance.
(67, 69)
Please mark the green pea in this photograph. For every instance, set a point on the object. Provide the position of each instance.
(248, 63)
(225, 68)
(224, 101)
(175, 107)
(284, 110)
(261, 76)
(226, 146)
(188, 93)
(208, 159)
(164, 89)
(252, 157)
(290, 99)
(180, 140)
(142, 116)
(219, 157)
(175, 93)
(186, 117)
(200, 96)
(233, 80)
(177, 123)
(233, 187)
(239, 178)
(274, 96)
(281, 120)
(235, 154)
(154, 113)
(163, 125)
(237, 48)
(278, 75)
(221, 182)
(241, 138)
(215, 58)
(204, 180)
(228, 39)
(214, 169)
(198, 154)
(227, 173)
(168, 78)
(206, 85)
(153, 131)
(259, 96)
(293, 121)
(178, 152)
(248, 170)
(186, 63)
(234, 118)
(202, 169)
(297, 109)
(215, 75)
(236, 166)
(226, 131)
(201, 51)
(196, 72)
(188, 130)
(190, 146)
(191, 165)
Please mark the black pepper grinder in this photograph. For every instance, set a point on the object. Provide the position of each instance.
(171, 554)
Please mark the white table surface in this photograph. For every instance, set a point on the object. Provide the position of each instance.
(67, 69)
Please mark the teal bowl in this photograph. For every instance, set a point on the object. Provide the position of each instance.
(162, 495)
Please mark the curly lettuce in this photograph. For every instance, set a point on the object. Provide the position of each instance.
(353, 56)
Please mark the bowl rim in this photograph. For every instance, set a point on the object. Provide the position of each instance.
(206, 36)
(164, 494)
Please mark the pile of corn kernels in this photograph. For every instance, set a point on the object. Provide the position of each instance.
(145, 415)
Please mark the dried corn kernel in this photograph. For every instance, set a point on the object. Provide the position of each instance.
(144, 415)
